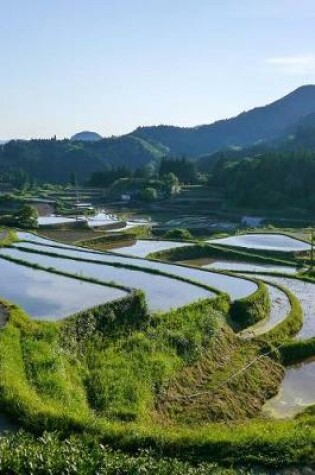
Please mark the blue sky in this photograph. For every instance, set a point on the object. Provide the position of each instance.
(111, 65)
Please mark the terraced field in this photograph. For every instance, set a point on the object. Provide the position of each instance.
(151, 354)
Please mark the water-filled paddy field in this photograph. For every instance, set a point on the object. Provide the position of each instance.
(297, 391)
(49, 296)
(144, 247)
(249, 267)
(162, 293)
(280, 307)
(236, 287)
(267, 242)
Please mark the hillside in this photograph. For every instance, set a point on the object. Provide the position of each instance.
(56, 160)
(259, 124)
(299, 136)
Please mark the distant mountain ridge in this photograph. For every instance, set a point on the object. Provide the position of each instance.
(257, 125)
(288, 124)
(86, 136)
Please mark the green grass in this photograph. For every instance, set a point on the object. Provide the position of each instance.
(251, 309)
(108, 374)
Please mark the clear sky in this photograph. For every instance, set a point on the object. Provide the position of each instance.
(111, 65)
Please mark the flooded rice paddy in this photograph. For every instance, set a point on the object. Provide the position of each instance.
(267, 242)
(297, 391)
(236, 287)
(144, 247)
(49, 296)
(249, 267)
(162, 293)
(280, 307)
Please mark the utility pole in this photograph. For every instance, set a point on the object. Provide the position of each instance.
(76, 197)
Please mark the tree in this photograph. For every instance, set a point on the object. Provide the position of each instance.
(171, 183)
(179, 233)
(184, 169)
(148, 194)
(27, 217)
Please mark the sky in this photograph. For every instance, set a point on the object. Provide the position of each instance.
(112, 65)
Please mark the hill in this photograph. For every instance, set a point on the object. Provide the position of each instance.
(257, 125)
(56, 160)
(86, 136)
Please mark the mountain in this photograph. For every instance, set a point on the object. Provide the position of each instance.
(257, 125)
(56, 160)
(86, 136)
(298, 137)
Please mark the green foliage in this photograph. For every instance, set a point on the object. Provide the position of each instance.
(27, 217)
(250, 310)
(107, 384)
(184, 169)
(49, 454)
(171, 183)
(274, 179)
(179, 234)
(20, 160)
(297, 350)
(148, 194)
(108, 176)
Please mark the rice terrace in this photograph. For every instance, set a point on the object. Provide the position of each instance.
(157, 237)
(151, 353)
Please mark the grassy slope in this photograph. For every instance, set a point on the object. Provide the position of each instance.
(54, 377)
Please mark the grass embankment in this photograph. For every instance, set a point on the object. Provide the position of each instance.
(7, 237)
(111, 373)
(251, 309)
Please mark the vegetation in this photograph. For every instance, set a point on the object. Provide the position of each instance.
(55, 160)
(250, 310)
(179, 234)
(114, 370)
(24, 453)
(25, 218)
(207, 250)
(273, 179)
(185, 170)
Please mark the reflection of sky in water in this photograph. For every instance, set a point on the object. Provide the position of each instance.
(297, 391)
(276, 242)
(143, 248)
(162, 293)
(234, 286)
(50, 296)
(248, 267)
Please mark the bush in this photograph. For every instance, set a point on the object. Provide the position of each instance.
(179, 234)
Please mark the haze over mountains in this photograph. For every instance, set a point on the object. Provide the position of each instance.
(287, 123)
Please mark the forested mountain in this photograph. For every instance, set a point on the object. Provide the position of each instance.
(274, 179)
(287, 124)
(248, 128)
(300, 136)
(56, 160)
